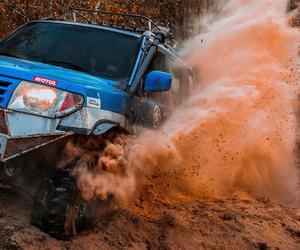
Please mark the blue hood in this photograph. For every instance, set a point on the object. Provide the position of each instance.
(26, 70)
(67, 79)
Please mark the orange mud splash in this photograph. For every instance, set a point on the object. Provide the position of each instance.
(101, 166)
(237, 132)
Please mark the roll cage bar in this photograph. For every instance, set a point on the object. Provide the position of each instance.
(151, 25)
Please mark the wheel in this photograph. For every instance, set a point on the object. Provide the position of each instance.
(58, 208)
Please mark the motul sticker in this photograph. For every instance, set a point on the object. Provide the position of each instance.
(93, 102)
(45, 81)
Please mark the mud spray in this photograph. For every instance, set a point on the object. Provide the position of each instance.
(237, 132)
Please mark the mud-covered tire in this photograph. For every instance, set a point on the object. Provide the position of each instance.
(58, 208)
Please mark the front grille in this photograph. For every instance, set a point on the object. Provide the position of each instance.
(7, 86)
(4, 86)
(2, 91)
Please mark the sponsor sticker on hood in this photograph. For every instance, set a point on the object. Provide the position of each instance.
(45, 81)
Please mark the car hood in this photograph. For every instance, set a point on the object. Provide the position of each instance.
(66, 78)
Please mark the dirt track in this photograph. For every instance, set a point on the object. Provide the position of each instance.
(153, 223)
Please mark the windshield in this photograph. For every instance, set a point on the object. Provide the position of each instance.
(96, 51)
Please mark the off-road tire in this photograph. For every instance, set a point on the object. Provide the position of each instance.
(58, 208)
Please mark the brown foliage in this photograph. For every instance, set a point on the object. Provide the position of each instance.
(179, 15)
(175, 14)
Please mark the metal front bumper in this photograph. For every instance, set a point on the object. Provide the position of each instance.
(21, 133)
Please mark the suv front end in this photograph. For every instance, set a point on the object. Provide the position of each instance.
(53, 85)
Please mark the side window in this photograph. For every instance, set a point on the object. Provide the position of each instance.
(171, 97)
(160, 62)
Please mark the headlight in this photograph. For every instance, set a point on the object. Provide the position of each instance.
(43, 100)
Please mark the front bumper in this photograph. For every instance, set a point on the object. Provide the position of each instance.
(21, 133)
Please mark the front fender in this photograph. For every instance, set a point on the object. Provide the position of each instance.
(103, 126)
(93, 121)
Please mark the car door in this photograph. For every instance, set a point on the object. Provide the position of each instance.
(153, 108)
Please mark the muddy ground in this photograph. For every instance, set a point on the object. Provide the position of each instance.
(151, 222)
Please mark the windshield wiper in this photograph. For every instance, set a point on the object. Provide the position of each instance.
(69, 66)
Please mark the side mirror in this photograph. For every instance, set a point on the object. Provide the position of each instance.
(157, 81)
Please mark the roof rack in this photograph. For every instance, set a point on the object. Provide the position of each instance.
(78, 12)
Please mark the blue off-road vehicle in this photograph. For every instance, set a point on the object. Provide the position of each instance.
(59, 79)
